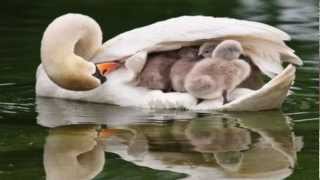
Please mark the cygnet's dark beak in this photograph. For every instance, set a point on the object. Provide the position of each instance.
(103, 69)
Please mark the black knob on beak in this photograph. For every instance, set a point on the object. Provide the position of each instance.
(99, 76)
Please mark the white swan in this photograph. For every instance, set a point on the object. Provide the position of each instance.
(188, 58)
(73, 38)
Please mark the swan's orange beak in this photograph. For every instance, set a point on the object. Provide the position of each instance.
(105, 68)
(105, 133)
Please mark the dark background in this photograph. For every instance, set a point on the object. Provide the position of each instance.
(23, 22)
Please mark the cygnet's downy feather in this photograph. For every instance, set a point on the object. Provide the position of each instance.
(210, 77)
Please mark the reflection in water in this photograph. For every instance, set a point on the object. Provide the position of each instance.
(73, 153)
(242, 145)
(22, 25)
(214, 147)
(57, 112)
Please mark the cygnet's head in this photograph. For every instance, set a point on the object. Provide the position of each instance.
(188, 52)
(206, 49)
(228, 50)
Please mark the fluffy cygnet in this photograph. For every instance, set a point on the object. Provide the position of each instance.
(188, 58)
(216, 76)
(156, 72)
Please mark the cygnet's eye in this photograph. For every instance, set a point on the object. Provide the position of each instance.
(241, 56)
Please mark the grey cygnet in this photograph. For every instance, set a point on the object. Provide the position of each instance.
(218, 75)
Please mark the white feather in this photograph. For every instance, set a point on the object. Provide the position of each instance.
(183, 30)
(263, 43)
(268, 55)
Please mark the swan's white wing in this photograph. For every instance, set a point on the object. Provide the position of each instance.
(268, 55)
(176, 31)
(270, 96)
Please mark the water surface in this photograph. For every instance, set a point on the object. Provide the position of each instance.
(141, 144)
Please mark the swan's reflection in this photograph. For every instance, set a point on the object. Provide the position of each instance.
(242, 145)
(58, 112)
(73, 153)
(251, 145)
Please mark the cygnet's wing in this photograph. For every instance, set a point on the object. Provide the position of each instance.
(185, 30)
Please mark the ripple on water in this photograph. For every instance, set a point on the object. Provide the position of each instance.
(12, 108)
(21, 29)
(7, 84)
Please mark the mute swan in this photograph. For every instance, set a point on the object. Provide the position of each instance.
(219, 75)
(254, 81)
(207, 48)
(166, 70)
(155, 74)
(181, 68)
(73, 38)
(188, 53)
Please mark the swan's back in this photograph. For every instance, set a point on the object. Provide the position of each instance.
(263, 43)
(187, 29)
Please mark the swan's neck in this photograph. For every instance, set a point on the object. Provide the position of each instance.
(72, 153)
(71, 35)
(67, 45)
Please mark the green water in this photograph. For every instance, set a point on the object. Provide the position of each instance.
(179, 144)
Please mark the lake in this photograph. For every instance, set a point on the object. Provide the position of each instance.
(58, 139)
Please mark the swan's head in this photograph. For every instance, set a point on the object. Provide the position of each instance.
(228, 50)
(67, 46)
